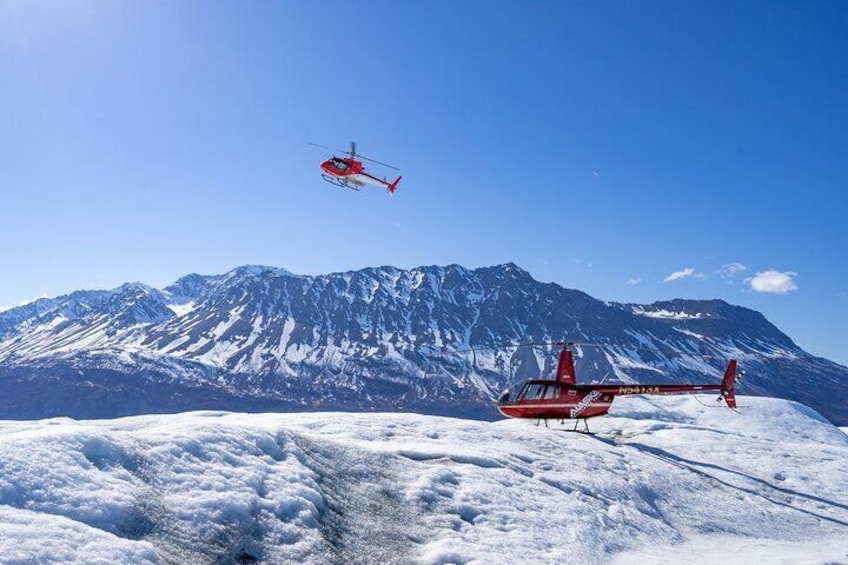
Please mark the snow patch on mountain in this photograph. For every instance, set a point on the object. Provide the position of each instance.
(667, 314)
(690, 333)
(181, 309)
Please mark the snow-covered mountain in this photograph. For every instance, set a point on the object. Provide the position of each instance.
(664, 481)
(261, 338)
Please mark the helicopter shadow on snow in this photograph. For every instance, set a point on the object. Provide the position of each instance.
(697, 467)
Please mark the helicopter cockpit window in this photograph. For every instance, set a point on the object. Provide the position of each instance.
(551, 392)
(533, 392)
(340, 165)
(512, 395)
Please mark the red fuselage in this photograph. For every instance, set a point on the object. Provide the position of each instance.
(557, 400)
(342, 167)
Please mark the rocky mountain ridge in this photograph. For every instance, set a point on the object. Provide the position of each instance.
(427, 339)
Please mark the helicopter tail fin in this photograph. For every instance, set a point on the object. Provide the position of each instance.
(565, 369)
(729, 382)
(393, 186)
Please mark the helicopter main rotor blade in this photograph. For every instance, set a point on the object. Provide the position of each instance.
(353, 154)
(341, 151)
(561, 344)
(378, 162)
(536, 344)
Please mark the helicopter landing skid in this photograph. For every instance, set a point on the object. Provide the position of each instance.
(337, 182)
(584, 431)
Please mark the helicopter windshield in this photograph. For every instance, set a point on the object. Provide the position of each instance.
(531, 391)
(511, 394)
(341, 166)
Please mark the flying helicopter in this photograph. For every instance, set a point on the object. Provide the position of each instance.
(349, 172)
(564, 399)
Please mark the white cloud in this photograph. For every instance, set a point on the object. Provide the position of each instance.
(633, 281)
(730, 270)
(774, 282)
(687, 272)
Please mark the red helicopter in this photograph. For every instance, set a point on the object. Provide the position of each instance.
(564, 399)
(348, 172)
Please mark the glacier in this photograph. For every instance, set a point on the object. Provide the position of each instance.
(663, 480)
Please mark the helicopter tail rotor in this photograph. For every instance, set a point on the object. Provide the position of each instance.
(728, 384)
(393, 186)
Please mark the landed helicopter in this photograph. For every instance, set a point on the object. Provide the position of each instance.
(349, 172)
(563, 399)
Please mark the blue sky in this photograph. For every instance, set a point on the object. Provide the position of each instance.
(633, 150)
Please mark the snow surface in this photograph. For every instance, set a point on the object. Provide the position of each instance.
(664, 480)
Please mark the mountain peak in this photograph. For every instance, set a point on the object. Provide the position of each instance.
(508, 269)
(511, 267)
(257, 271)
(136, 287)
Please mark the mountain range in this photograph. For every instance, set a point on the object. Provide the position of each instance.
(428, 339)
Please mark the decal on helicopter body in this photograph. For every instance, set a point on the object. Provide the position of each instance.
(583, 404)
